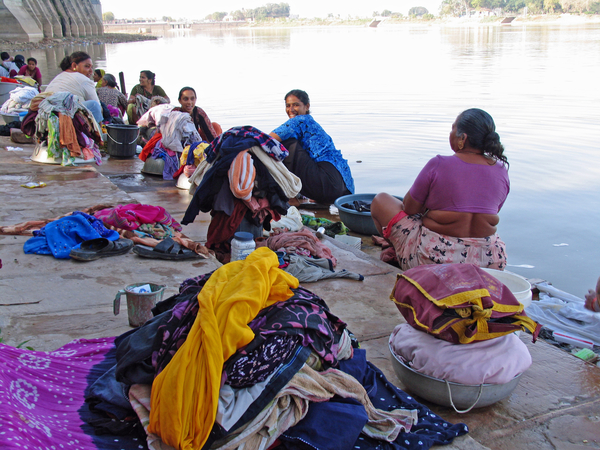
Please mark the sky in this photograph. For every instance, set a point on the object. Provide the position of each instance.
(303, 8)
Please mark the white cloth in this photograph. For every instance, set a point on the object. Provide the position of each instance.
(198, 175)
(177, 130)
(292, 221)
(289, 182)
(153, 115)
(4, 72)
(564, 313)
(74, 83)
(494, 361)
(19, 100)
(9, 65)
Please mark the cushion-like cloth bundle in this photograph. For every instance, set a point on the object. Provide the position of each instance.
(494, 361)
(459, 303)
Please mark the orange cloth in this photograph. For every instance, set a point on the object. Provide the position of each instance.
(68, 135)
(185, 394)
(241, 176)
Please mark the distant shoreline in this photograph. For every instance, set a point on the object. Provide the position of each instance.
(122, 33)
(106, 38)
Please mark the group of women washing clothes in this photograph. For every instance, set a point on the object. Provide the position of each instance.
(449, 215)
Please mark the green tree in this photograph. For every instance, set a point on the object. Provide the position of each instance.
(552, 6)
(535, 6)
(108, 16)
(238, 15)
(167, 19)
(216, 16)
(417, 11)
(514, 5)
(386, 13)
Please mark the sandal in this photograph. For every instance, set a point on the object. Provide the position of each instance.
(99, 248)
(166, 249)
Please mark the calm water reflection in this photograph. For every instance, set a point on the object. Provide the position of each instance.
(388, 97)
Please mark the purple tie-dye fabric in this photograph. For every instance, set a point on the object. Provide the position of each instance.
(42, 398)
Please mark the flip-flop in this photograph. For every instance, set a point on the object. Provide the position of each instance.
(166, 249)
(100, 248)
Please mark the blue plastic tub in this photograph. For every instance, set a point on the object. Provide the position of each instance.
(358, 222)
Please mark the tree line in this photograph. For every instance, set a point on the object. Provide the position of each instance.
(461, 7)
(270, 10)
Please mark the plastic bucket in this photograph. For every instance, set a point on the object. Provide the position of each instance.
(122, 140)
(139, 305)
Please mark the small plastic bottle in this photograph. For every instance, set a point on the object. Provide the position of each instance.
(242, 245)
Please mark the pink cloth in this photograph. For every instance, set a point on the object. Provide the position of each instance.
(130, 217)
(302, 239)
(495, 361)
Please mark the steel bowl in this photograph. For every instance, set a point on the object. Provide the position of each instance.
(461, 397)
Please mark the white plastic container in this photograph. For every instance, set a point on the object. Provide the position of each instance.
(518, 285)
(242, 245)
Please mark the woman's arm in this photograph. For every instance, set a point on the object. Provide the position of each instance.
(411, 206)
(274, 136)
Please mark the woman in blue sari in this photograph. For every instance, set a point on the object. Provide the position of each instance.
(324, 173)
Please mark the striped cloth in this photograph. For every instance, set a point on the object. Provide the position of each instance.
(241, 176)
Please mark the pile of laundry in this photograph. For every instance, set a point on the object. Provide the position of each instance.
(242, 178)
(64, 126)
(146, 226)
(19, 100)
(245, 357)
(175, 130)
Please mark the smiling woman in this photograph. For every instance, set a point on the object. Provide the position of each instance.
(324, 173)
(187, 99)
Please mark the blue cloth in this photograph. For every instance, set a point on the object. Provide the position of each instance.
(317, 143)
(95, 108)
(58, 238)
(430, 429)
(340, 423)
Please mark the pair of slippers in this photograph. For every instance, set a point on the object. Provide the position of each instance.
(100, 248)
(166, 249)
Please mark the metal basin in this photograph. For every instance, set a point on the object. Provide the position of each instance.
(461, 397)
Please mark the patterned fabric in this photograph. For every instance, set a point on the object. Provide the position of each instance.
(259, 364)
(54, 148)
(131, 216)
(171, 336)
(304, 315)
(317, 143)
(459, 303)
(113, 97)
(43, 398)
(254, 136)
(416, 245)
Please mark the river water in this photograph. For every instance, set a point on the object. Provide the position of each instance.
(388, 97)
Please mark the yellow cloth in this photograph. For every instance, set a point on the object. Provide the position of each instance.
(198, 154)
(185, 394)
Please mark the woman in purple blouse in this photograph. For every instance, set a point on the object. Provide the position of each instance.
(450, 213)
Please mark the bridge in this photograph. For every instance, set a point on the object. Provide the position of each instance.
(34, 20)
